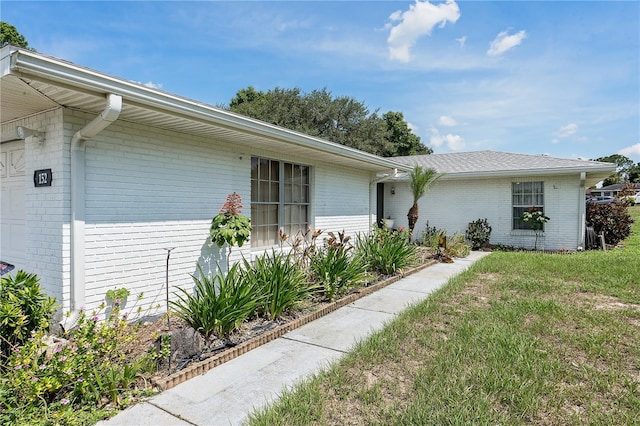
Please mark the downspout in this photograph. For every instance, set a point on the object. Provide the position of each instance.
(582, 211)
(77, 153)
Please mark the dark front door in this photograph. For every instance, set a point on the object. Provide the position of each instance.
(380, 203)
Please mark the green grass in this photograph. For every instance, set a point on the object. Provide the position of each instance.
(519, 338)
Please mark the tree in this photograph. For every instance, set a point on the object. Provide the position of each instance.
(420, 180)
(10, 35)
(404, 141)
(624, 169)
(340, 119)
(634, 173)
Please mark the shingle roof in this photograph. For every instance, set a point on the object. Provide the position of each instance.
(494, 162)
(617, 187)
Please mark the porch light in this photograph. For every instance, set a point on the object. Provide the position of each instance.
(24, 132)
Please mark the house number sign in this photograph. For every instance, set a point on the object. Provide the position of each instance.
(42, 177)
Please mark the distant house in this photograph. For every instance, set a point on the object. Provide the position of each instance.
(100, 175)
(500, 186)
(612, 190)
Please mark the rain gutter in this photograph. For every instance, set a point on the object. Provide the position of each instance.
(65, 74)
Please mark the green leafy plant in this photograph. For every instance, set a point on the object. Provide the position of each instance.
(87, 368)
(281, 285)
(611, 219)
(24, 308)
(536, 220)
(228, 226)
(118, 295)
(457, 246)
(478, 233)
(385, 251)
(431, 236)
(335, 269)
(219, 303)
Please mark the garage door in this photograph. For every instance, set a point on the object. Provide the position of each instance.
(12, 207)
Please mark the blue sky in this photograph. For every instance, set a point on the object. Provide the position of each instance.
(542, 77)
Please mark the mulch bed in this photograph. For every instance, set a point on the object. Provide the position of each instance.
(251, 335)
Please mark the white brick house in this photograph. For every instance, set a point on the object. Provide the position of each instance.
(106, 174)
(499, 186)
(135, 170)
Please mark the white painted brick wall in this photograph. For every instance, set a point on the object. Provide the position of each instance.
(46, 208)
(452, 204)
(342, 200)
(148, 189)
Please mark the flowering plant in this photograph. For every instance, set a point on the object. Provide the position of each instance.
(536, 219)
(89, 366)
(228, 226)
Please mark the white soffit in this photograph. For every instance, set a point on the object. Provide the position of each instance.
(36, 83)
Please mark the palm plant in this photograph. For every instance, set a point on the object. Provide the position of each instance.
(420, 180)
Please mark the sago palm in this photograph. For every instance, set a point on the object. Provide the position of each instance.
(420, 180)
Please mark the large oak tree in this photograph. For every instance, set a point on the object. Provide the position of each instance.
(10, 35)
(339, 119)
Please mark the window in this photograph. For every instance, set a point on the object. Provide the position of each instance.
(279, 200)
(526, 196)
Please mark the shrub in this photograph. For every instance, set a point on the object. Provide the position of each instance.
(457, 247)
(280, 284)
(335, 269)
(219, 304)
(478, 233)
(611, 219)
(24, 308)
(431, 236)
(49, 382)
(386, 251)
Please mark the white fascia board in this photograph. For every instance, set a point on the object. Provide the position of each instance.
(598, 172)
(47, 69)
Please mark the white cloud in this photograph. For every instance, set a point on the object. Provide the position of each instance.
(452, 142)
(447, 120)
(416, 22)
(462, 40)
(504, 42)
(149, 84)
(153, 85)
(564, 132)
(632, 152)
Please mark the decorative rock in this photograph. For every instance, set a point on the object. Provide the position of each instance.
(185, 343)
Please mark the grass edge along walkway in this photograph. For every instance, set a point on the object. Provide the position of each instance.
(519, 338)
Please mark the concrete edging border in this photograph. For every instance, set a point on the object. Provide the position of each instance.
(201, 367)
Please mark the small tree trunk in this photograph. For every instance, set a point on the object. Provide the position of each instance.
(412, 216)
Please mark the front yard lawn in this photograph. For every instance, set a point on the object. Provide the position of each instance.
(520, 338)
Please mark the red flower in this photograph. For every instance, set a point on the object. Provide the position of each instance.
(233, 205)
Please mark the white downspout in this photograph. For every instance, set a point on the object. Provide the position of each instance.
(582, 214)
(77, 153)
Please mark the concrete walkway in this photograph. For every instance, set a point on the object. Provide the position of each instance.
(226, 394)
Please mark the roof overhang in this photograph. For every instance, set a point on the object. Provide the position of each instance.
(32, 83)
(594, 174)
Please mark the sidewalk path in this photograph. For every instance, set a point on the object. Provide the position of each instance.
(226, 394)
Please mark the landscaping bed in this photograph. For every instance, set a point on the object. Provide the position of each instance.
(250, 335)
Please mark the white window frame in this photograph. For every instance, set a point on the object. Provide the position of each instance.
(525, 195)
(292, 204)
